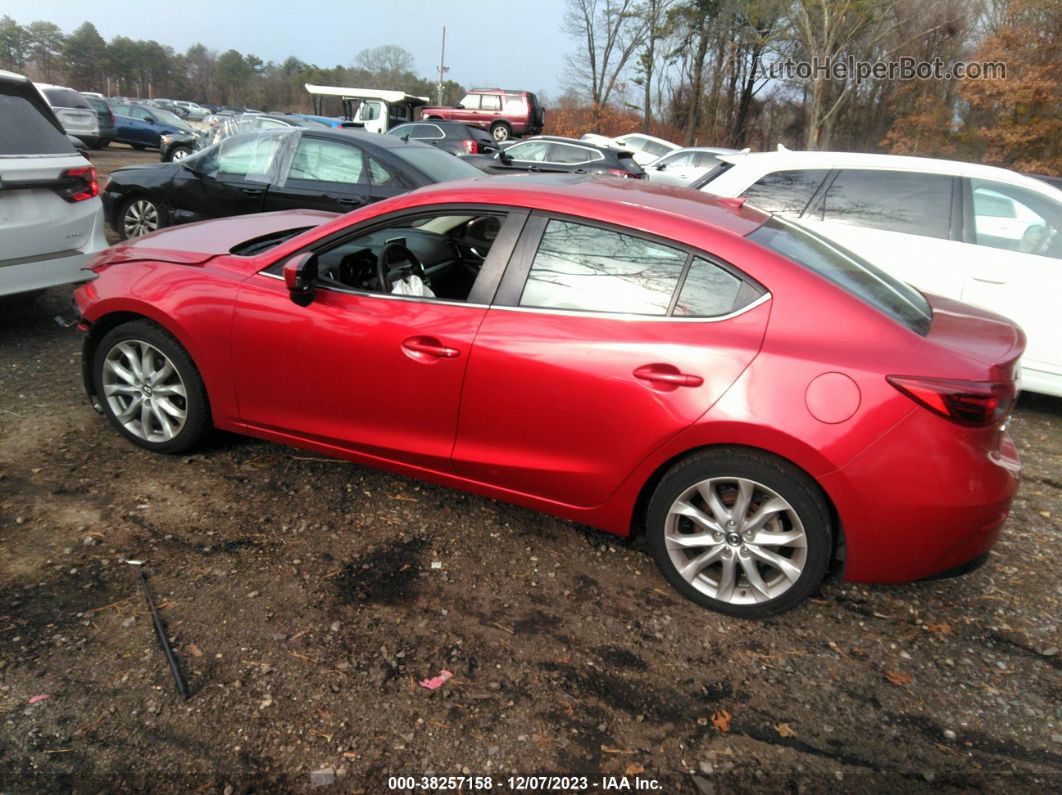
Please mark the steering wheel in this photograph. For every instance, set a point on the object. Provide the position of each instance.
(383, 265)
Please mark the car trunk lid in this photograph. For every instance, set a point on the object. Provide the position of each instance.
(991, 341)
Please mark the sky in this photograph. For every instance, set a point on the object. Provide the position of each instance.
(503, 43)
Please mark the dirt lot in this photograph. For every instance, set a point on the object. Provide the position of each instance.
(307, 597)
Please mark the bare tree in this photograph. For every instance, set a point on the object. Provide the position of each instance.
(609, 33)
(388, 58)
(654, 15)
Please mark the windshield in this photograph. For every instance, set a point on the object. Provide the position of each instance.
(885, 293)
(438, 166)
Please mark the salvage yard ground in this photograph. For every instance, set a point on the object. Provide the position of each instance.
(307, 598)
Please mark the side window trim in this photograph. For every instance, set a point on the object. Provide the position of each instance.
(523, 256)
(816, 206)
(957, 222)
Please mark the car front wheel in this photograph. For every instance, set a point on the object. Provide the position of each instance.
(139, 216)
(150, 389)
(740, 532)
(180, 153)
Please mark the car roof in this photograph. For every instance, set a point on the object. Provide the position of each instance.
(362, 137)
(585, 194)
(714, 150)
(775, 161)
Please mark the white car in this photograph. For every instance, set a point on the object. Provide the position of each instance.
(683, 166)
(646, 148)
(983, 235)
(51, 217)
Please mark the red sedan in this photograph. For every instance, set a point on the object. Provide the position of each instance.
(757, 400)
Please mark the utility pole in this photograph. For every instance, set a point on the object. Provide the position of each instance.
(443, 68)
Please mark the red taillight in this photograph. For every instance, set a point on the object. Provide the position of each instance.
(471, 147)
(618, 172)
(971, 403)
(84, 184)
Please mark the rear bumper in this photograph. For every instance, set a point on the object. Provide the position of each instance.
(65, 267)
(925, 499)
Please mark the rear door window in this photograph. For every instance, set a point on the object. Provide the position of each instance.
(894, 201)
(490, 102)
(318, 160)
(530, 151)
(784, 191)
(570, 154)
(588, 268)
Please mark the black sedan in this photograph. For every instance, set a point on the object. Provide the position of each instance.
(553, 154)
(450, 136)
(336, 170)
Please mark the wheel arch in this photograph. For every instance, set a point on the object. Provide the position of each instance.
(136, 193)
(641, 502)
(104, 323)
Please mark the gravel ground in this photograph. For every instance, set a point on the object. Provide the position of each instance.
(307, 598)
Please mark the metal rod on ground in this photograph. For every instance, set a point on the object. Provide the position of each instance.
(160, 630)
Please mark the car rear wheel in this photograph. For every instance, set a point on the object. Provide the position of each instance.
(139, 216)
(740, 532)
(150, 389)
(501, 131)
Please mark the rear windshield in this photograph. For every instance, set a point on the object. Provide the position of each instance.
(24, 130)
(438, 166)
(723, 166)
(98, 104)
(65, 98)
(885, 293)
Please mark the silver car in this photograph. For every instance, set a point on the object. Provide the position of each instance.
(683, 166)
(76, 115)
(51, 217)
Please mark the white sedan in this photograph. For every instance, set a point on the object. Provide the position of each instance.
(646, 148)
(683, 166)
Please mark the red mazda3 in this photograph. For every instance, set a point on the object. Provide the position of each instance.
(759, 401)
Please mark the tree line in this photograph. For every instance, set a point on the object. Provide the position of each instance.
(700, 71)
(84, 60)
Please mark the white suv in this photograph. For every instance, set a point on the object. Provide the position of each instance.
(979, 234)
(51, 217)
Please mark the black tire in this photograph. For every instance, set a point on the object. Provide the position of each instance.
(195, 402)
(766, 474)
(179, 153)
(501, 131)
(135, 204)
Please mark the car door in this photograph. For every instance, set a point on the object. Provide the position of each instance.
(322, 174)
(600, 346)
(672, 170)
(571, 158)
(490, 110)
(145, 130)
(229, 179)
(905, 222)
(377, 374)
(467, 110)
(1012, 257)
(524, 156)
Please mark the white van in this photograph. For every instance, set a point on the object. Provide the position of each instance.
(51, 217)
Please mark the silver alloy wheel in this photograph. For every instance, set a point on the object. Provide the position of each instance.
(500, 133)
(144, 391)
(735, 540)
(180, 153)
(141, 217)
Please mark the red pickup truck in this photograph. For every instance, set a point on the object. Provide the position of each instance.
(504, 113)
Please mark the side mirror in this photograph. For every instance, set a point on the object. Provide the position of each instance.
(300, 276)
(504, 156)
(661, 167)
(459, 106)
